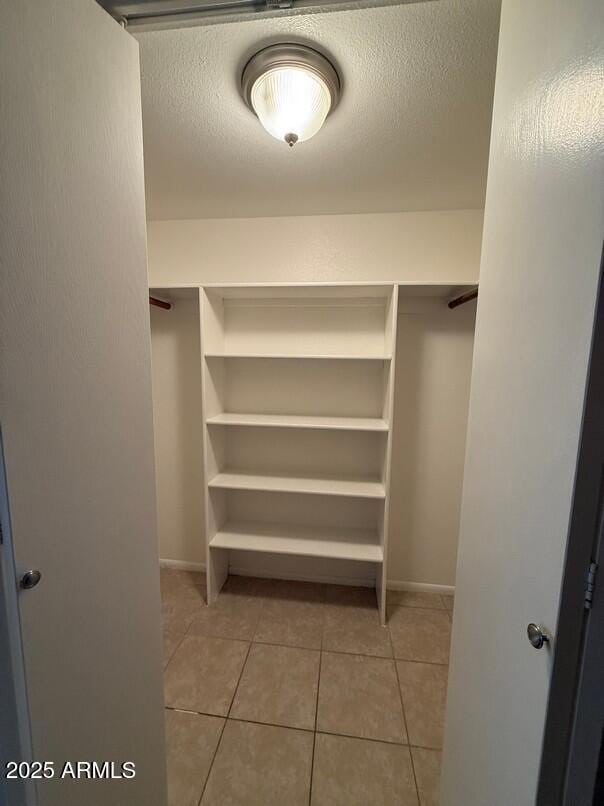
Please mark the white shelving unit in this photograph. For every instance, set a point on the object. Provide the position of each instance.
(297, 421)
(279, 538)
(289, 483)
(297, 406)
(312, 357)
(297, 403)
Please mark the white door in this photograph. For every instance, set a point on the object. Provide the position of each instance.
(541, 253)
(76, 412)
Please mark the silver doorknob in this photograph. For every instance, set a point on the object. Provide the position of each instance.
(536, 636)
(30, 579)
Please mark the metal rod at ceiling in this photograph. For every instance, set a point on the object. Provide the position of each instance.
(160, 303)
(146, 14)
(139, 12)
(462, 298)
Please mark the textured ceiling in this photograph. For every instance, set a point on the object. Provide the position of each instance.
(411, 131)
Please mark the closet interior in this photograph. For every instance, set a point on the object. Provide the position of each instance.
(296, 402)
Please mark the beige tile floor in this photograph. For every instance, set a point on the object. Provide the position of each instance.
(292, 693)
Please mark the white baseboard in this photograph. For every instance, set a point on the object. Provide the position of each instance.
(393, 584)
(327, 580)
(181, 565)
(420, 587)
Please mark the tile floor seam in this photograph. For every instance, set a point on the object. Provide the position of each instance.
(325, 732)
(182, 638)
(313, 649)
(307, 730)
(400, 694)
(423, 662)
(247, 654)
(312, 766)
(367, 739)
(334, 651)
(238, 719)
(314, 740)
(226, 718)
(271, 724)
(337, 652)
(318, 688)
(218, 743)
(286, 646)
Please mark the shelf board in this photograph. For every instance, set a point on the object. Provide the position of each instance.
(286, 291)
(305, 356)
(300, 421)
(318, 485)
(342, 544)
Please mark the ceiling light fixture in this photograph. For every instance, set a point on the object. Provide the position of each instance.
(291, 88)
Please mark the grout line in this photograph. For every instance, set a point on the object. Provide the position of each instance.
(312, 767)
(218, 743)
(314, 740)
(371, 739)
(327, 733)
(317, 649)
(247, 654)
(270, 724)
(224, 725)
(358, 654)
(307, 730)
(400, 694)
(383, 657)
(174, 651)
(424, 662)
(318, 690)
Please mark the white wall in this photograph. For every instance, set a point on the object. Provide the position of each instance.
(424, 247)
(178, 430)
(433, 368)
(434, 355)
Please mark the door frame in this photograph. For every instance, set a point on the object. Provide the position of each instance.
(575, 712)
(15, 733)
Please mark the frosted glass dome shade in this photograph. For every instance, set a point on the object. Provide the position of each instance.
(291, 102)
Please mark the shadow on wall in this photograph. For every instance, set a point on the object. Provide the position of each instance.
(178, 430)
(434, 361)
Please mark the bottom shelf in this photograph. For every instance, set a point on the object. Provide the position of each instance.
(280, 538)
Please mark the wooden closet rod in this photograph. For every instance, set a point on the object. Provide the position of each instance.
(469, 295)
(159, 303)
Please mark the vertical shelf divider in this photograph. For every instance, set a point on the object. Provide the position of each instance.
(388, 414)
(212, 380)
